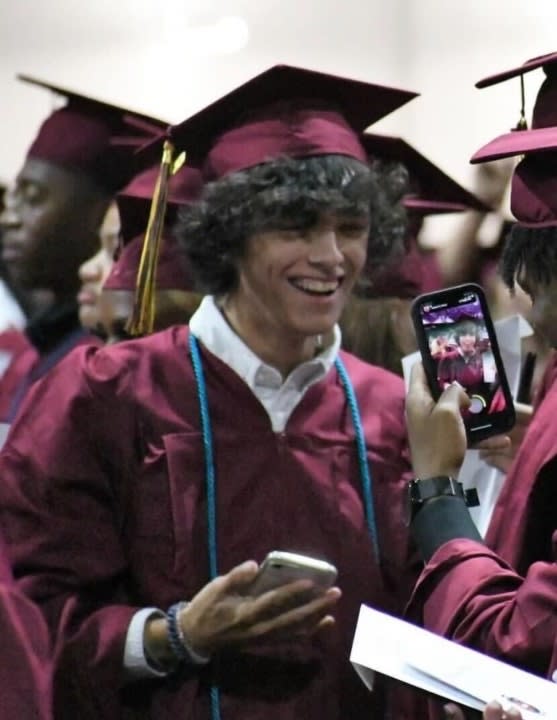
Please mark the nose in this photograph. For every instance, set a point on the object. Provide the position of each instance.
(9, 217)
(90, 270)
(324, 248)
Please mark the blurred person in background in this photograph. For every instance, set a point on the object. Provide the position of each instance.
(175, 296)
(80, 157)
(376, 324)
(11, 314)
(96, 269)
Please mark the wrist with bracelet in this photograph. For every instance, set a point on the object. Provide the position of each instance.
(177, 640)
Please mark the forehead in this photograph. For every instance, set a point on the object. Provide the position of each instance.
(53, 177)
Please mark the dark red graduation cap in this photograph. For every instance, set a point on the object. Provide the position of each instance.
(173, 271)
(93, 137)
(534, 190)
(283, 111)
(543, 135)
(433, 191)
(526, 67)
(134, 201)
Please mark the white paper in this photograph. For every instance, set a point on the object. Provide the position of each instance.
(412, 655)
(4, 429)
(474, 472)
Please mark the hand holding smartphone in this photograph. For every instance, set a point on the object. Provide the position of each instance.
(281, 568)
(457, 342)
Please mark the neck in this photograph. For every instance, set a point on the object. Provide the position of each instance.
(274, 348)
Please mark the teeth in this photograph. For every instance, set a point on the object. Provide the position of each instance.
(319, 286)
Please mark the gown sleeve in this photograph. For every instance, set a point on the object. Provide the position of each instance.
(467, 593)
(60, 469)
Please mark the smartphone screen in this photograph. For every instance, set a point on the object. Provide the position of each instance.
(458, 342)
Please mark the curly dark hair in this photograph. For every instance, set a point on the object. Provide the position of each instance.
(531, 251)
(282, 191)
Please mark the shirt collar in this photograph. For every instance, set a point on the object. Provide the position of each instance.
(211, 328)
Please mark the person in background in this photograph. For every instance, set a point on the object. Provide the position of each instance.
(500, 597)
(175, 297)
(376, 323)
(80, 157)
(11, 314)
(169, 466)
(95, 270)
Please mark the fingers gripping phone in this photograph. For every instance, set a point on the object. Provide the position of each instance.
(457, 341)
(280, 568)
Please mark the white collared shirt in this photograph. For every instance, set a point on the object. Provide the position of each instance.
(279, 397)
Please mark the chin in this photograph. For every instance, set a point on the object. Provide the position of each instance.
(87, 318)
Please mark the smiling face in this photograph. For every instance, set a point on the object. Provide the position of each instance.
(293, 282)
(49, 227)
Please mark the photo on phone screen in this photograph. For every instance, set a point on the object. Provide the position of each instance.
(458, 343)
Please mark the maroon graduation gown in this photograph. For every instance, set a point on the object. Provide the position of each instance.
(46, 340)
(468, 593)
(23, 357)
(104, 504)
(25, 663)
(525, 516)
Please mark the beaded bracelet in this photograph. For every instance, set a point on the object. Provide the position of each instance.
(177, 640)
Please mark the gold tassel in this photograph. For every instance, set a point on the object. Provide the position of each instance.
(142, 319)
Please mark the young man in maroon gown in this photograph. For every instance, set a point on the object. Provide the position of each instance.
(166, 468)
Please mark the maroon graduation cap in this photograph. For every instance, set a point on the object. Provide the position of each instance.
(134, 201)
(543, 134)
(284, 111)
(534, 190)
(433, 191)
(92, 137)
(173, 271)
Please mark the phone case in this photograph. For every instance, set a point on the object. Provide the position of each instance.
(441, 320)
(280, 568)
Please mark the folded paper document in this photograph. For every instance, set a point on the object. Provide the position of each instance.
(396, 648)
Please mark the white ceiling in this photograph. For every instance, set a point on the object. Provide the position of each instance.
(156, 56)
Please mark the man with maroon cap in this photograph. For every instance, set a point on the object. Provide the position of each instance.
(170, 466)
(468, 590)
(79, 159)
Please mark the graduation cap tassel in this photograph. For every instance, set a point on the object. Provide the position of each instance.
(143, 316)
(522, 123)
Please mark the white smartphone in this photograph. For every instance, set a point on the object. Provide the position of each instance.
(280, 568)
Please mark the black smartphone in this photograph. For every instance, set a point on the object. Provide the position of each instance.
(457, 341)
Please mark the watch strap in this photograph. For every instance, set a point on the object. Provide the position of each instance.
(423, 489)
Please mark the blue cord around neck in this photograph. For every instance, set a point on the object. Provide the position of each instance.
(210, 474)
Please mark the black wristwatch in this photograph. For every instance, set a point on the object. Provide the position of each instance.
(420, 490)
